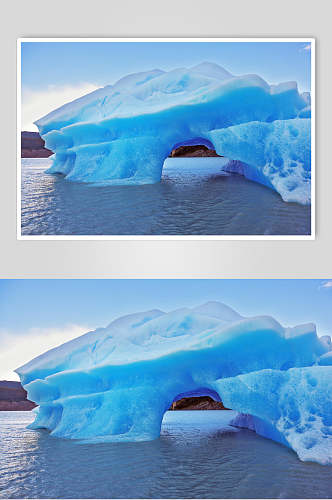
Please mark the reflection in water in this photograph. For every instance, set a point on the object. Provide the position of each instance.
(187, 201)
(197, 456)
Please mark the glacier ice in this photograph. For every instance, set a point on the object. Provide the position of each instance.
(116, 383)
(280, 152)
(292, 407)
(122, 133)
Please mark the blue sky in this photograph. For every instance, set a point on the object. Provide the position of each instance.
(55, 72)
(39, 314)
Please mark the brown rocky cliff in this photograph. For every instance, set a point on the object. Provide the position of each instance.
(33, 146)
(13, 397)
(195, 151)
(197, 403)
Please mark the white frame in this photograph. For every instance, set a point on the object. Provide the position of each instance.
(167, 237)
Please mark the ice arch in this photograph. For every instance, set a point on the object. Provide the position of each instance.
(115, 384)
(122, 133)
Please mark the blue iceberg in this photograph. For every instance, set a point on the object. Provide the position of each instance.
(116, 383)
(122, 133)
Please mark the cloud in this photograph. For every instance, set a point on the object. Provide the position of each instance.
(306, 48)
(36, 104)
(16, 350)
(326, 284)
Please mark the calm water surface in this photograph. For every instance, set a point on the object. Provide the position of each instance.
(190, 199)
(197, 456)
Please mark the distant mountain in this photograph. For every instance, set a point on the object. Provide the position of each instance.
(198, 403)
(13, 397)
(33, 146)
(192, 151)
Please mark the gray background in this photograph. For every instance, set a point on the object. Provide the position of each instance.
(155, 259)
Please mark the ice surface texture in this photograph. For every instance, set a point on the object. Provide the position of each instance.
(122, 133)
(115, 383)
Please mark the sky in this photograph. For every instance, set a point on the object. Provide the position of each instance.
(37, 315)
(53, 73)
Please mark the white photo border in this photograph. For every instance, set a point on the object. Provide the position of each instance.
(312, 236)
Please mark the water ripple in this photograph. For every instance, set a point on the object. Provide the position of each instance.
(197, 456)
(186, 201)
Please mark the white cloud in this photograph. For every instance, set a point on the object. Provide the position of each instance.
(17, 350)
(306, 47)
(326, 284)
(37, 104)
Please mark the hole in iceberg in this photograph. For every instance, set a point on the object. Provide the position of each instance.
(196, 156)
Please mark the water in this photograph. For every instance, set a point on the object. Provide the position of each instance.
(197, 456)
(191, 199)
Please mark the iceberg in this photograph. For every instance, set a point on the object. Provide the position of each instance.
(122, 133)
(116, 383)
(280, 152)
